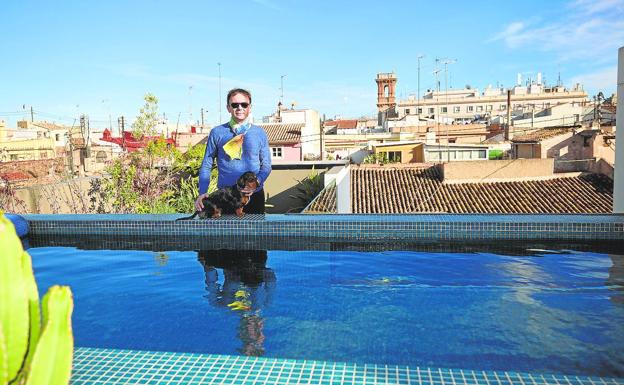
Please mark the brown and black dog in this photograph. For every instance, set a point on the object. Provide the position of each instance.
(228, 200)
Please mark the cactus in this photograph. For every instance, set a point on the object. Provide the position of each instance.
(25, 355)
(14, 308)
(3, 359)
(51, 363)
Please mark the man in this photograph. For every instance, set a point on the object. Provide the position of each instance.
(246, 149)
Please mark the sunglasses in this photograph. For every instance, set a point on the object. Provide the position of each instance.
(236, 105)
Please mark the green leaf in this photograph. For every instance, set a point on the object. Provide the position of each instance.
(32, 295)
(14, 298)
(52, 361)
(3, 359)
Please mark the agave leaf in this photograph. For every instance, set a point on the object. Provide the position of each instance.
(52, 361)
(14, 303)
(33, 305)
(3, 359)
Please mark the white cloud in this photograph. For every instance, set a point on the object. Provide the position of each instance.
(512, 34)
(589, 30)
(330, 98)
(602, 79)
(595, 6)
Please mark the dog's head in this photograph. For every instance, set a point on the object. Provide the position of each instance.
(247, 183)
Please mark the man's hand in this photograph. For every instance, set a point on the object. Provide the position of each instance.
(199, 204)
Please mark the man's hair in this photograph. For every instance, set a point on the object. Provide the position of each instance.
(238, 91)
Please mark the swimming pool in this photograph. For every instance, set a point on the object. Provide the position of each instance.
(557, 311)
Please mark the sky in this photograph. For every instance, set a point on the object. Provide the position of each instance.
(66, 58)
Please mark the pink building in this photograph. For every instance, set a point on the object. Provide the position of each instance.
(285, 141)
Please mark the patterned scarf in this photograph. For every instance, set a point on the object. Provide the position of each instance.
(242, 127)
(234, 147)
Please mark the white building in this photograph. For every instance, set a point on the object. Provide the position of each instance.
(470, 105)
(310, 132)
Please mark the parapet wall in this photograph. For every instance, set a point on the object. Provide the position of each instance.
(497, 170)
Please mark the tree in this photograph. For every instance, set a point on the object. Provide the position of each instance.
(146, 121)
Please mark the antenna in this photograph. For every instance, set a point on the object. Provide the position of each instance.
(436, 72)
(446, 62)
(282, 88)
(190, 93)
(220, 120)
(418, 96)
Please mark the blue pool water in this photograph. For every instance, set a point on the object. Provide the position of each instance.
(556, 312)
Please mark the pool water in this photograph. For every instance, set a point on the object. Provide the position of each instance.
(555, 311)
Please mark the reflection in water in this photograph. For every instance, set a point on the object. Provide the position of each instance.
(538, 297)
(246, 288)
(615, 282)
(161, 260)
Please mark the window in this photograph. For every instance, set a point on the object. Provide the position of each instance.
(488, 107)
(276, 152)
(407, 111)
(478, 154)
(469, 108)
(431, 110)
(394, 156)
(456, 109)
(479, 108)
(57, 137)
(434, 155)
(444, 109)
(420, 110)
(100, 157)
(503, 107)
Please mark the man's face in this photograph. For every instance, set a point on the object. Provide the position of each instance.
(239, 113)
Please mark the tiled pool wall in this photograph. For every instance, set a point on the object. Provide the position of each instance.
(109, 366)
(268, 231)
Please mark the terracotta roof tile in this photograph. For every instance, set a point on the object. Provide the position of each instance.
(324, 202)
(420, 190)
(346, 124)
(50, 126)
(283, 132)
(15, 176)
(543, 134)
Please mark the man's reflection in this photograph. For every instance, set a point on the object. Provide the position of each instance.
(246, 288)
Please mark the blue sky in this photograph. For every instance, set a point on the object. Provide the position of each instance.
(70, 57)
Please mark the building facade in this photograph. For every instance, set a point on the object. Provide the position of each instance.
(470, 105)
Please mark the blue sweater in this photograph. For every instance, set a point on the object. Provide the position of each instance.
(256, 157)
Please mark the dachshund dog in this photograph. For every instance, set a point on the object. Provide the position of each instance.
(228, 200)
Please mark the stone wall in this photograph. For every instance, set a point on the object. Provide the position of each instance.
(67, 197)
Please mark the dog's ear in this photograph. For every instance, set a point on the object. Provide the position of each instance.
(240, 183)
(253, 178)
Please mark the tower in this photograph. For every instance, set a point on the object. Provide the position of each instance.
(386, 100)
(386, 91)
